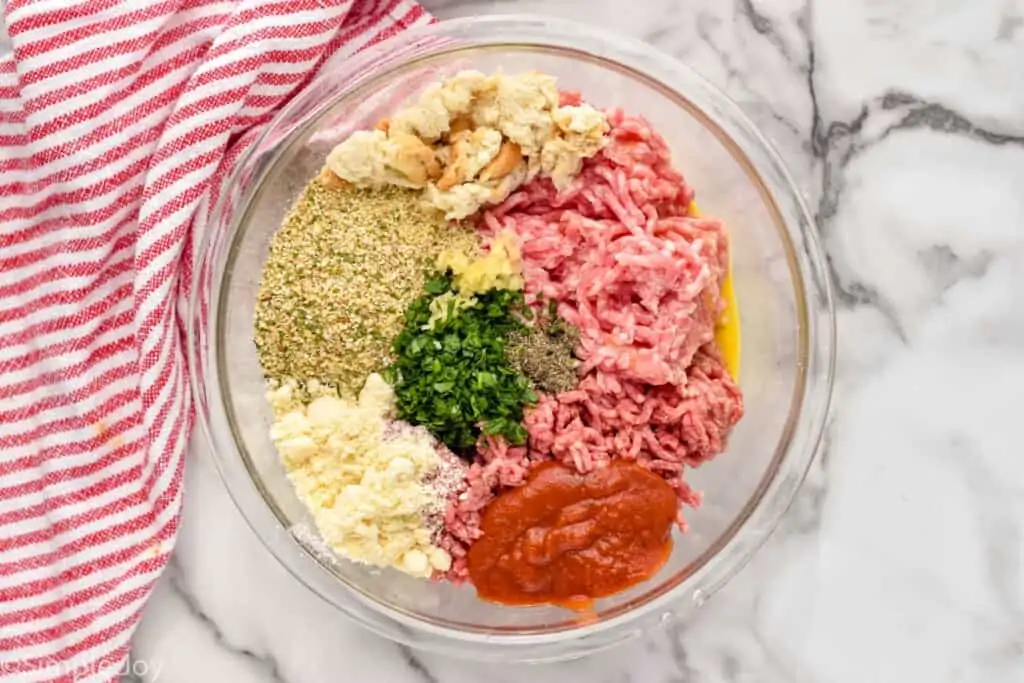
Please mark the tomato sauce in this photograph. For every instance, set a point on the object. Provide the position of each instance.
(567, 538)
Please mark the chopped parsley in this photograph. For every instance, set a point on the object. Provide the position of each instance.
(452, 375)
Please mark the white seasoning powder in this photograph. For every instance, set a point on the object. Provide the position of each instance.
(366, 483)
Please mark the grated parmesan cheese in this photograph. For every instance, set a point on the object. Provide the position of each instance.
(363, 480)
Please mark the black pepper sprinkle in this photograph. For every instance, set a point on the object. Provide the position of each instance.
(545, 353)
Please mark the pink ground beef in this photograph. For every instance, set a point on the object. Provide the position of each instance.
(640, 279)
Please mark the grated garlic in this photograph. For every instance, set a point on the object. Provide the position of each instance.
(500, 268)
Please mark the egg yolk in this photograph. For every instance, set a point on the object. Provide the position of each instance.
(727, 329)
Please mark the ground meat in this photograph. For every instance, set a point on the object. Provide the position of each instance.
(663, 428)
(639, 277)
(629, 267)
(497, 466)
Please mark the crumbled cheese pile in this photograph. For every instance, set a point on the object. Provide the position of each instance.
(363, 480)
(472, 139)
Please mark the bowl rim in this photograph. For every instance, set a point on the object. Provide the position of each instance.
(818, 335)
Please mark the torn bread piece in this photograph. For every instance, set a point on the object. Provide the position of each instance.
(472, 139)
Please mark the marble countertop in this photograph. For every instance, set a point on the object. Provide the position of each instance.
(903, 559)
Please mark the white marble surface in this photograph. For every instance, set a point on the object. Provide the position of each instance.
(903, 559)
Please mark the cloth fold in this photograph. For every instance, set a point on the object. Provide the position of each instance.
(119, 120)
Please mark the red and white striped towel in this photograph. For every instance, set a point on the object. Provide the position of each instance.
(118, 120)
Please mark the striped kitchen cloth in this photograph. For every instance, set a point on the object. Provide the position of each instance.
(118, 121)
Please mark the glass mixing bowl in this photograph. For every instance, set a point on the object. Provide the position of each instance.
(782, 288)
